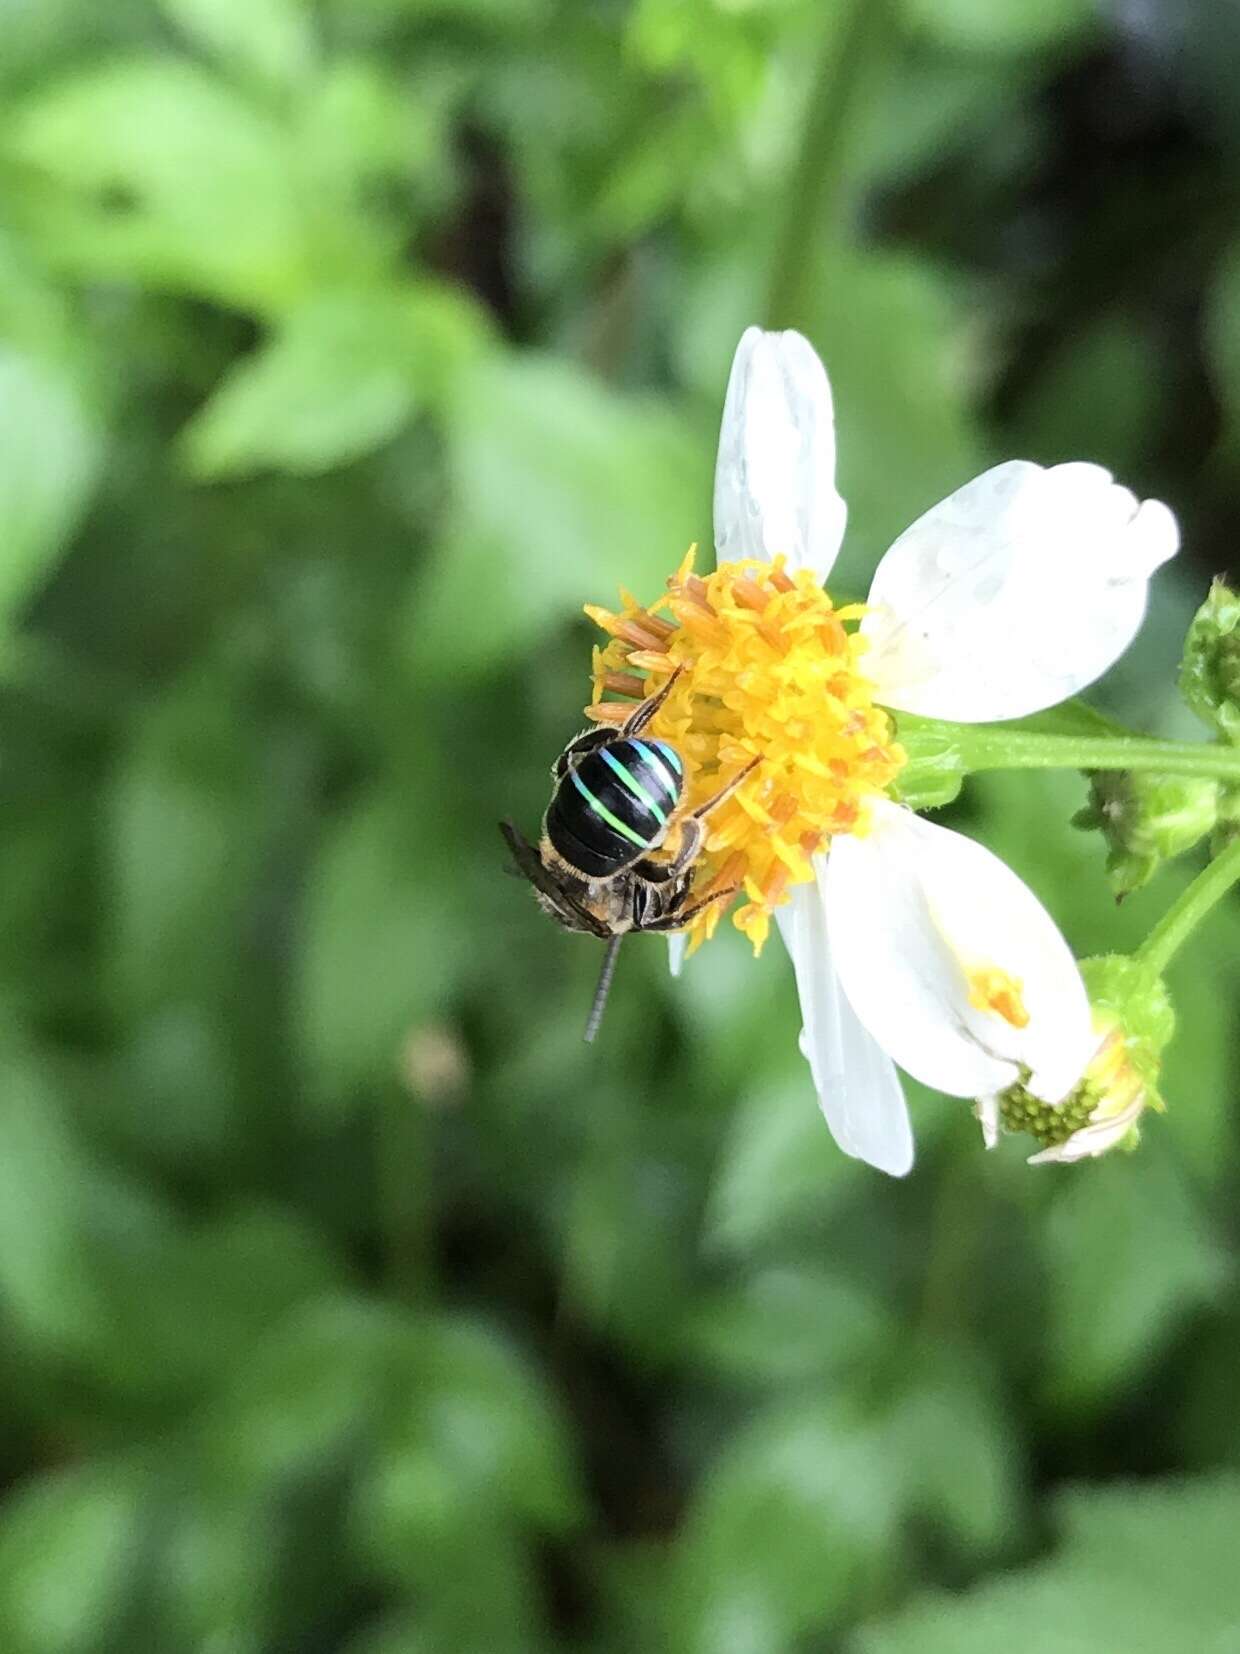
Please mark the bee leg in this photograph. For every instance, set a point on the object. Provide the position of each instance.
(686, 916)
(692, 833)
(589, 739)
(724, 793)
(559, 902)
(638, 719)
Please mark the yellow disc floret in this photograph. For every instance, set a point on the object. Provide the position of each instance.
(769, 670)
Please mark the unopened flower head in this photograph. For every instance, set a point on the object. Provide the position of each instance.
(1147, 818)
(911, 944)
(1210, 670)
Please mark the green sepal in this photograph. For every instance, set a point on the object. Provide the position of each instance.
(1122, 988)
(935, 771)
(1210, 669)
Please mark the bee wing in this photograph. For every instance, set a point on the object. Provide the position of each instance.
(529, 865)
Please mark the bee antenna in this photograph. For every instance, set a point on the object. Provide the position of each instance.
(604, 987)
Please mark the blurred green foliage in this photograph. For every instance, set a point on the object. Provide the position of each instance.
(348, 1303)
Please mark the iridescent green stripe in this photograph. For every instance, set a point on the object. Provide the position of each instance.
(600, 809)
(660, 768)
(634, 785)
(672, 756)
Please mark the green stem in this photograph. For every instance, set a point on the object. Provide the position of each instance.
(978, 747)
(402, 1190)
(849, 44)
(1189, 909)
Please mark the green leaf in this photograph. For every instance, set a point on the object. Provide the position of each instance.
(484, 1413)
(505, 16)
(312, 1388)
(784, 1325)
(223, 1568)
(1223, 337)
(69, 1545)
(470, 1431)
(187, 813)
(341, 374)
(1097, 394)
(152, 170)
(394, 1634)
(787, 1530)
(779, 1169)
(184, 1305)
(961, 1454)
(469, 1456)
(1129, 1257)
(1012, 26)
(272, 40)
(383, 945)
(49, 1191)
(564, 490)
(49, 455)
(890, 332)
(1144, 1568)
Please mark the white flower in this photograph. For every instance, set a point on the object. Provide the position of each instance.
(915, 945)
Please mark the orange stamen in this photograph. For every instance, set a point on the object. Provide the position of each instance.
(626, 683)
(750, 594)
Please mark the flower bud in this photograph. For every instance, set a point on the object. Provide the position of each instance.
(1133, 1020)
(1146, 818)
(1210, 670)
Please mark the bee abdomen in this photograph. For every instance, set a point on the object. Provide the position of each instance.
(614, 806)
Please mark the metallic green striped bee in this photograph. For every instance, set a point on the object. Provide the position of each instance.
(617, 800)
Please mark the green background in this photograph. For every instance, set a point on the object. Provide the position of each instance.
(347, 1301)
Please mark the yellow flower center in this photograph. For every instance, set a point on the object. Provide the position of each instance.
(769, 670)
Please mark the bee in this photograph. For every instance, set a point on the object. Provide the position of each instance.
(617, 801)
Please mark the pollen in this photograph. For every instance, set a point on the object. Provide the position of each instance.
(770, 669)
(992, 989)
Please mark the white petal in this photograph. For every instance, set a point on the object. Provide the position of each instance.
(918, 915)
(676, 944)
(986, 1110)
(1013, 593)
(1093, 1139)
(858, 1088)
(775, 474)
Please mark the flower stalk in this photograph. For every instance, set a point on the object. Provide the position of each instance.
(849, 45)
(967, 748)
(1188, 910)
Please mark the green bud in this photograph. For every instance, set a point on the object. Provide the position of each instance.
(1146, 818)
(1210, 670)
